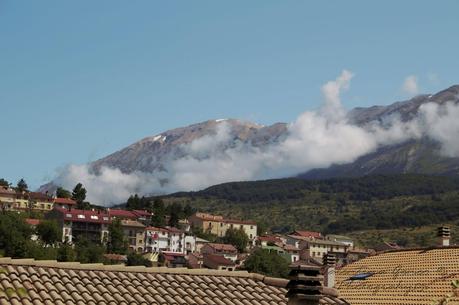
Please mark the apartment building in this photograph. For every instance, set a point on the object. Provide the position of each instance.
(134, 232)
(217, 225)
(75, 224)
(168, 239)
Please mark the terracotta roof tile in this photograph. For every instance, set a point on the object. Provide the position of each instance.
(49, 282)
(64, 201)
(403, 277)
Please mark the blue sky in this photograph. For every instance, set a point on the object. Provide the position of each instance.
(82, 79)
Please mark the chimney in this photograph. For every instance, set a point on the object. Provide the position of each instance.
(305, 286)
(329, 262)
(444, 236)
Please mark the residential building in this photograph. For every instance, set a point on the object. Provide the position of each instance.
(308, 234)
(195, 260)
(165, 239)
(341, 238)
(190, 243)
(40, 201)
(269, 240)
(33, 223)
(218, 262)
(7, 198)
(200, 242)
(228, 251)
(292, 252)
(138, 215)
(134, 232)
(218, 225)
(172, 259)
(65, 203)
(315, 248)
(12, 200)
(75, 223)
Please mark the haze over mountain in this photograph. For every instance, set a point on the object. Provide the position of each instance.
(418, 135)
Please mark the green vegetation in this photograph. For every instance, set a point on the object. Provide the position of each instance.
(116, 243)
(49, 232)
(237, 238)
(4, 182)
(79, 195)
(22, 186)
(63, 193)
(135, 259)
(265, 262)
(360, 207)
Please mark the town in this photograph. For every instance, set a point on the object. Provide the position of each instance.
(200, 240)
(54, 231)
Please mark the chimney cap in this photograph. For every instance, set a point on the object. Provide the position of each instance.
(444, 231)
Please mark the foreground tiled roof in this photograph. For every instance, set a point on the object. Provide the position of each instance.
(402, 277)
(27, 281)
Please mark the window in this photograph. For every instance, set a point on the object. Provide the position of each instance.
(68, 215)
(80, 216)
(105, 218)
(251, 227)
(94, 217)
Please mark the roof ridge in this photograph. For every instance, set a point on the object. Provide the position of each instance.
(280, 282)
(422, 249)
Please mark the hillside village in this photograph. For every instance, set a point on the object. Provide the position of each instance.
(298, 265)
(181, 246)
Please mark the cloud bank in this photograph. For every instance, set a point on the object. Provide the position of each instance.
(316, 139)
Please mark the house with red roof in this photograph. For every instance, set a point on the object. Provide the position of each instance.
(218, 262)
(225, 250)
(65, 203)
(308, 234)
(75, 223)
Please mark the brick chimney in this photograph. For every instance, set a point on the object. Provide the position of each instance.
(444, 235)
(305, 286)
(329, 262)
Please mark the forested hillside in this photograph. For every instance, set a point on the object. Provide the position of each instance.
(404, 208)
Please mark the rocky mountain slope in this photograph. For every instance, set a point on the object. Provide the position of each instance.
(414, 156)
(160, 158)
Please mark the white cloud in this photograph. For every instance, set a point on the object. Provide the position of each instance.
(410, 85)
(316, 139)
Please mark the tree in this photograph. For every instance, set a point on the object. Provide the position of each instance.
(49, 232)
(265, 262)
(63, 193)
(133, 202)
(4, 182)
(159, 212)
(88, 252)
(237, 238)
(175, 212)
(116, 242)
(14, 234)
(135, 259)
(188, 210)
(79, 195)
(66, 253)
(22, 186)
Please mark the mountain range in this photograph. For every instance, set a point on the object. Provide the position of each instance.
(154, 154)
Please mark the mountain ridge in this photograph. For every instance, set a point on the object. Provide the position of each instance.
(153, 155)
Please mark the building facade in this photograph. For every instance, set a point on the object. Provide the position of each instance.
(217, 225)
